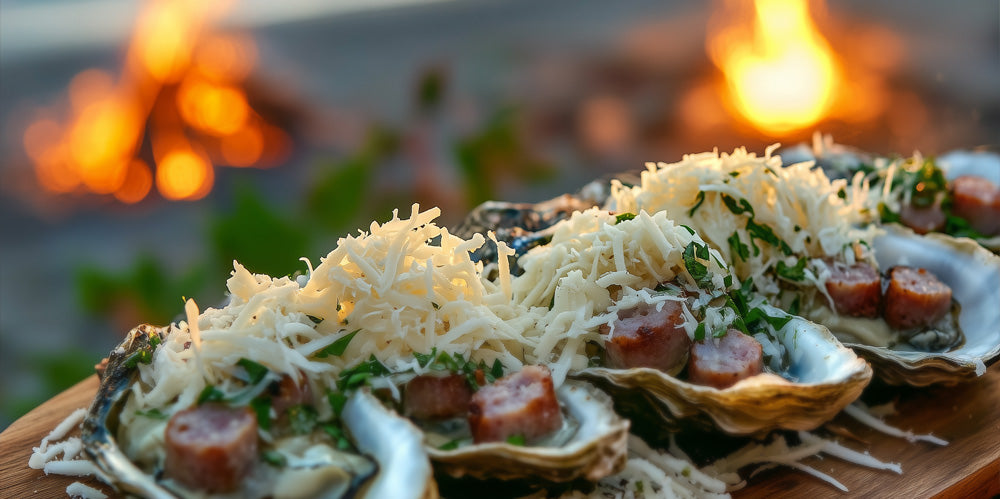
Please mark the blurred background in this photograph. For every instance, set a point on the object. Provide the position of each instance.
(145, 144)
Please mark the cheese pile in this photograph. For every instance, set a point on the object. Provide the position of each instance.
(597, 264)
(753, 210)
(406, 287)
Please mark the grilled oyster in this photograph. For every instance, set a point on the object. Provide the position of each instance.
(391, 462)
(819, 378)
(973, 273)
(590, 445)
(597, 264)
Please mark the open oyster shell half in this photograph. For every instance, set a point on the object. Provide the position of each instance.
(591, 445)
(821, 378)
(973, 273)
(392, 462)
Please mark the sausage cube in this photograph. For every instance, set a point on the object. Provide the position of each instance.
(520, 404)
(721, 362)
(915, 298)
(211, 447)
(977, 200)
(430, 397)
(856, 289)
(645, 337)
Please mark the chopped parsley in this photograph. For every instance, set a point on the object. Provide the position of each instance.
(153, 413)
(698, 271)
(337, 348)
(793, 273)
(301, 419)
(451, 445)
(337, 434)
(739, 249)
(697, 203)
(624, 217)
(255, 371)
(359, 374)
(516, 440)
(766, 234)
(337, 401)
(262, 408)
(210, 394)
(737, 207)
(274, 458)
(699, 332)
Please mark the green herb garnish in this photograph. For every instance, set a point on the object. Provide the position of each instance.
(516, 440)
(274, 458)
(337, 348)
(741, 250)
(301, 419)
(210, 394)
(153, 413)
(738, 208)
(262, 408)
(337, 401)
(337, 434)
(697, 203)
(452, 445)
(624, 217)
(255, 371)
(795, 273)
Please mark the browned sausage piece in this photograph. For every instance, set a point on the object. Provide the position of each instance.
(923, 220)
(721, 362)
(431, 396)
(977, 200)
(289, 392)
(915, 298)
(520, 404)
(645, 337)
(211, 447)
(856, 289)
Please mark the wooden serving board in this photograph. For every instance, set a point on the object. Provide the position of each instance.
(968, 416)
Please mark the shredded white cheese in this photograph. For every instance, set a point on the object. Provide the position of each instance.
(862, 414)
(406, 286)
(798, 202)
(77, 489)
(595, 266)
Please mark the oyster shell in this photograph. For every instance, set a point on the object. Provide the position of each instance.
(821, 378)
(973, 273)
(591, 445)
(393, 465)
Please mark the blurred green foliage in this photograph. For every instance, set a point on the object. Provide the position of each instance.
(499, 148)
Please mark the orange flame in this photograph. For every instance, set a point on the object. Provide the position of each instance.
(181, 86)
(780, 72)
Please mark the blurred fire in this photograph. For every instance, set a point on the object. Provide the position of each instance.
(781, 74)
(179, 95)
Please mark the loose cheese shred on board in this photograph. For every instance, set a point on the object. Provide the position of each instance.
(862, 414)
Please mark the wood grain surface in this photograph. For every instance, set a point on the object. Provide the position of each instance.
(968, 416)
